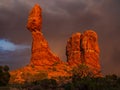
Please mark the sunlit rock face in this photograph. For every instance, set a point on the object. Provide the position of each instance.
(84, 49)
(80, 49)
(41, 53)
(35, 19)
(73, 50)
(91, 51)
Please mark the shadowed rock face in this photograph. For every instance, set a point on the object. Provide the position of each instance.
(41, 53)
(84, 49)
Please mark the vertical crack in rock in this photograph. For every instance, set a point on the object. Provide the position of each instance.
(91, 50)
(84, 49)
(73, 50)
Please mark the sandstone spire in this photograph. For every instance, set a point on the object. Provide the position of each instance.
(84, 49)
(41, 53)
(91, 51)
(73, 50)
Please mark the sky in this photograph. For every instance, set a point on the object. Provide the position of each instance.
(61, 18)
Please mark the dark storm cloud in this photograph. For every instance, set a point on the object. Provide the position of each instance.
(13, 21)
(109, 36)
(61, 18)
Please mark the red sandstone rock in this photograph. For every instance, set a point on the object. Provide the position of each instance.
(73, 50)
(41, 53)
(35, 19)
(80, 49)
(91, 51)
(84, 49)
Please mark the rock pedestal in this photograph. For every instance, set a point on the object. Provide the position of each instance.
(41, 53)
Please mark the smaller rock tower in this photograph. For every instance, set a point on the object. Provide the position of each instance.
(84, 49)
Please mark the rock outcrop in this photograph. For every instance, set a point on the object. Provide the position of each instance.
(84, 49)
(73, 50)
(41, 53)
(43, 63)
(91, 51)
(80, 49)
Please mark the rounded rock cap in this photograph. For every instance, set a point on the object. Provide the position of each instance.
(35, 19)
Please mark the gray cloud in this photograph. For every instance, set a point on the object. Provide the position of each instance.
(61, 18)
(16, 59)
(6, 45)
(13, 55)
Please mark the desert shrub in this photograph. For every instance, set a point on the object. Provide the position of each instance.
(69, 86)
(45, 84)
(118, 81)
(34, 77)
(40, 75)
(6, 68)
(4, 75)
(48, 83)
(109, 82)
(111, 77)
(82, 71)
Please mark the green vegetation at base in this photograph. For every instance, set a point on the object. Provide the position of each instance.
(81, 79)
(82, 71)
(21, 77)
(109, 82)
(4, 75)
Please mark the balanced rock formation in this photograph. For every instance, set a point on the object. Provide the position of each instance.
(43, 63)
(80, 49)
(84, 49)
(41, 53)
